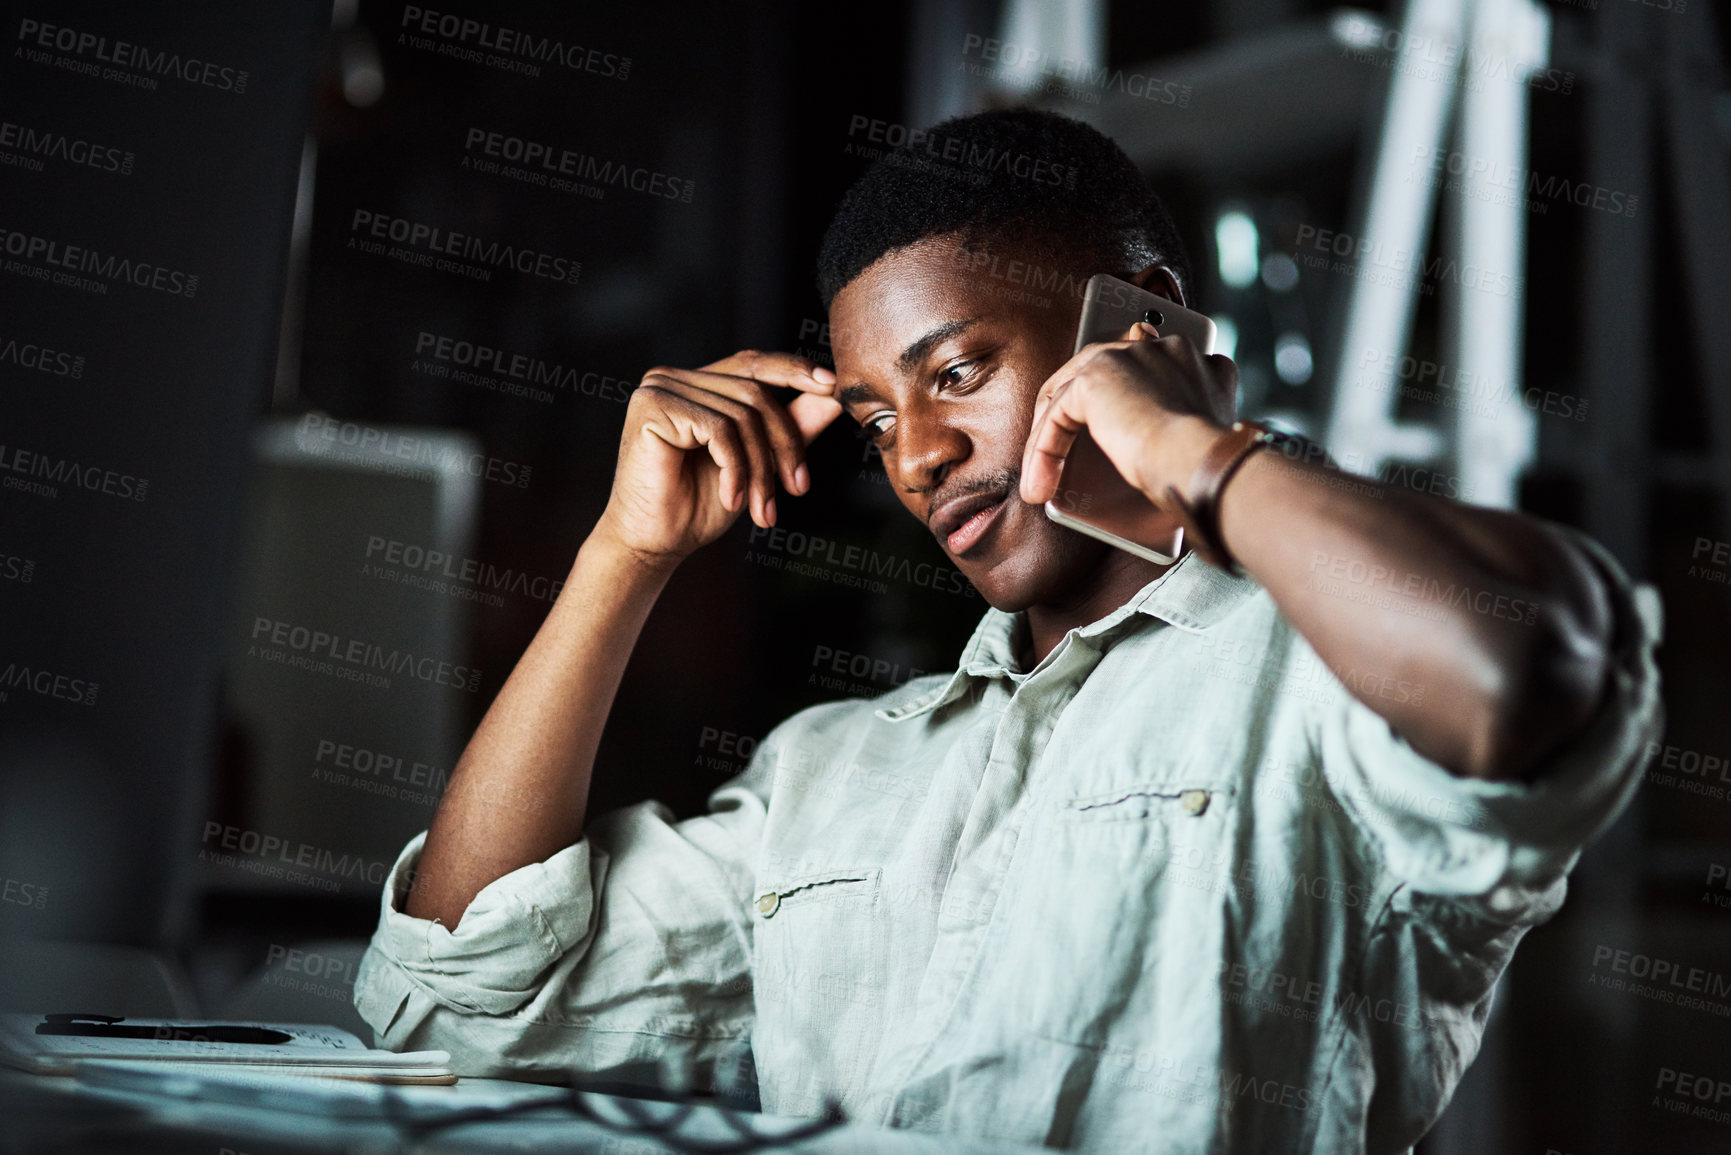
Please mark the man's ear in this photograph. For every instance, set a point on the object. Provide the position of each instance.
(1161, 281)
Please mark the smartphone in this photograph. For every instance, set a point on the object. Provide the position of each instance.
(1093, 497)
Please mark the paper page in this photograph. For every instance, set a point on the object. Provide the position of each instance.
(310, 1043)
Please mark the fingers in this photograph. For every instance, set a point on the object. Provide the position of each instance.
(800, 373)
(813, 414)
(785, 438)
(1056, 424)
(1059, 405)
(1080, 359)
(763, 444)
(752, 438)
(686, 424)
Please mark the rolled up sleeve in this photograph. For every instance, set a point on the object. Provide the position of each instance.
(631, 942)
(1505, 842)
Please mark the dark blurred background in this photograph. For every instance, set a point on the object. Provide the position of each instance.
(347, 445)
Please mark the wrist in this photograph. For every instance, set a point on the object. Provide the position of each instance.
(1172, 458)
(623, 562)
(1197, 505)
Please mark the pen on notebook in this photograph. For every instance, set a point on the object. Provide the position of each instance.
(108, 1027)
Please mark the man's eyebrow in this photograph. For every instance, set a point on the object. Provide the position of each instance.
(910, 359)
(915, 353)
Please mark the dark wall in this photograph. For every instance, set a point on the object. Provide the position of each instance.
(123, 446)
(747, 109)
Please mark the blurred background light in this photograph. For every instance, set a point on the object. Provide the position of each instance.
(1235, 240)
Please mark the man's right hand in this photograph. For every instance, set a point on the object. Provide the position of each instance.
(700, 443)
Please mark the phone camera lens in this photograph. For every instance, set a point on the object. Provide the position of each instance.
(1154, 317)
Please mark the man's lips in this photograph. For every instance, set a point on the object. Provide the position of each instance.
(962, 521)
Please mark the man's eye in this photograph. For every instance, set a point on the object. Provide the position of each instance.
(956, 374)
(877, 426)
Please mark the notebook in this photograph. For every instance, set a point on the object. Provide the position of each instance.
(248, 1087)
(56, 1044)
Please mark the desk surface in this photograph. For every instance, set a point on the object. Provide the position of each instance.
(45, 1113)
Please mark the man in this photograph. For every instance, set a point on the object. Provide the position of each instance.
(1200, 857)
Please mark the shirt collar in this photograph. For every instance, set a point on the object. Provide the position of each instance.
(1190, 595)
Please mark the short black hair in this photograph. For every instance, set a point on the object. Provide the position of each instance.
(1016, 174)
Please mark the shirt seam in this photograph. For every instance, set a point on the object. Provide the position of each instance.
(1338, 1023)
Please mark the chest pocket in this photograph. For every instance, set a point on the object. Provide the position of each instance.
(1133, 803)
(1141, 815)
(820, 955)
(1119, 887)
(1120, 789)
(857, 888)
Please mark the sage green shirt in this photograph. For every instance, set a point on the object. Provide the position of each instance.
(1173, 888)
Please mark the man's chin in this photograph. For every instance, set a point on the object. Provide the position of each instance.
(1038, 565)
(997, 579)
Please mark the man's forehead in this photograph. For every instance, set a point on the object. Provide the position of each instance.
(891, 349)
(898, 308)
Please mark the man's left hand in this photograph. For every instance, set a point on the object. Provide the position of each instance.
(1153, 404)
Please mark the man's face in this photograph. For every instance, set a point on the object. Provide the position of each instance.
(941, 366)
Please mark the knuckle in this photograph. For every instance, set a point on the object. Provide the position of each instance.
(750, 427)
(752, 420)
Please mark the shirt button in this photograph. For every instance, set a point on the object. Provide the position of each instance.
(768, 903)
(1194, 801)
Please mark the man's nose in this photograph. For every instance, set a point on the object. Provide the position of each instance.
(927, 446)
